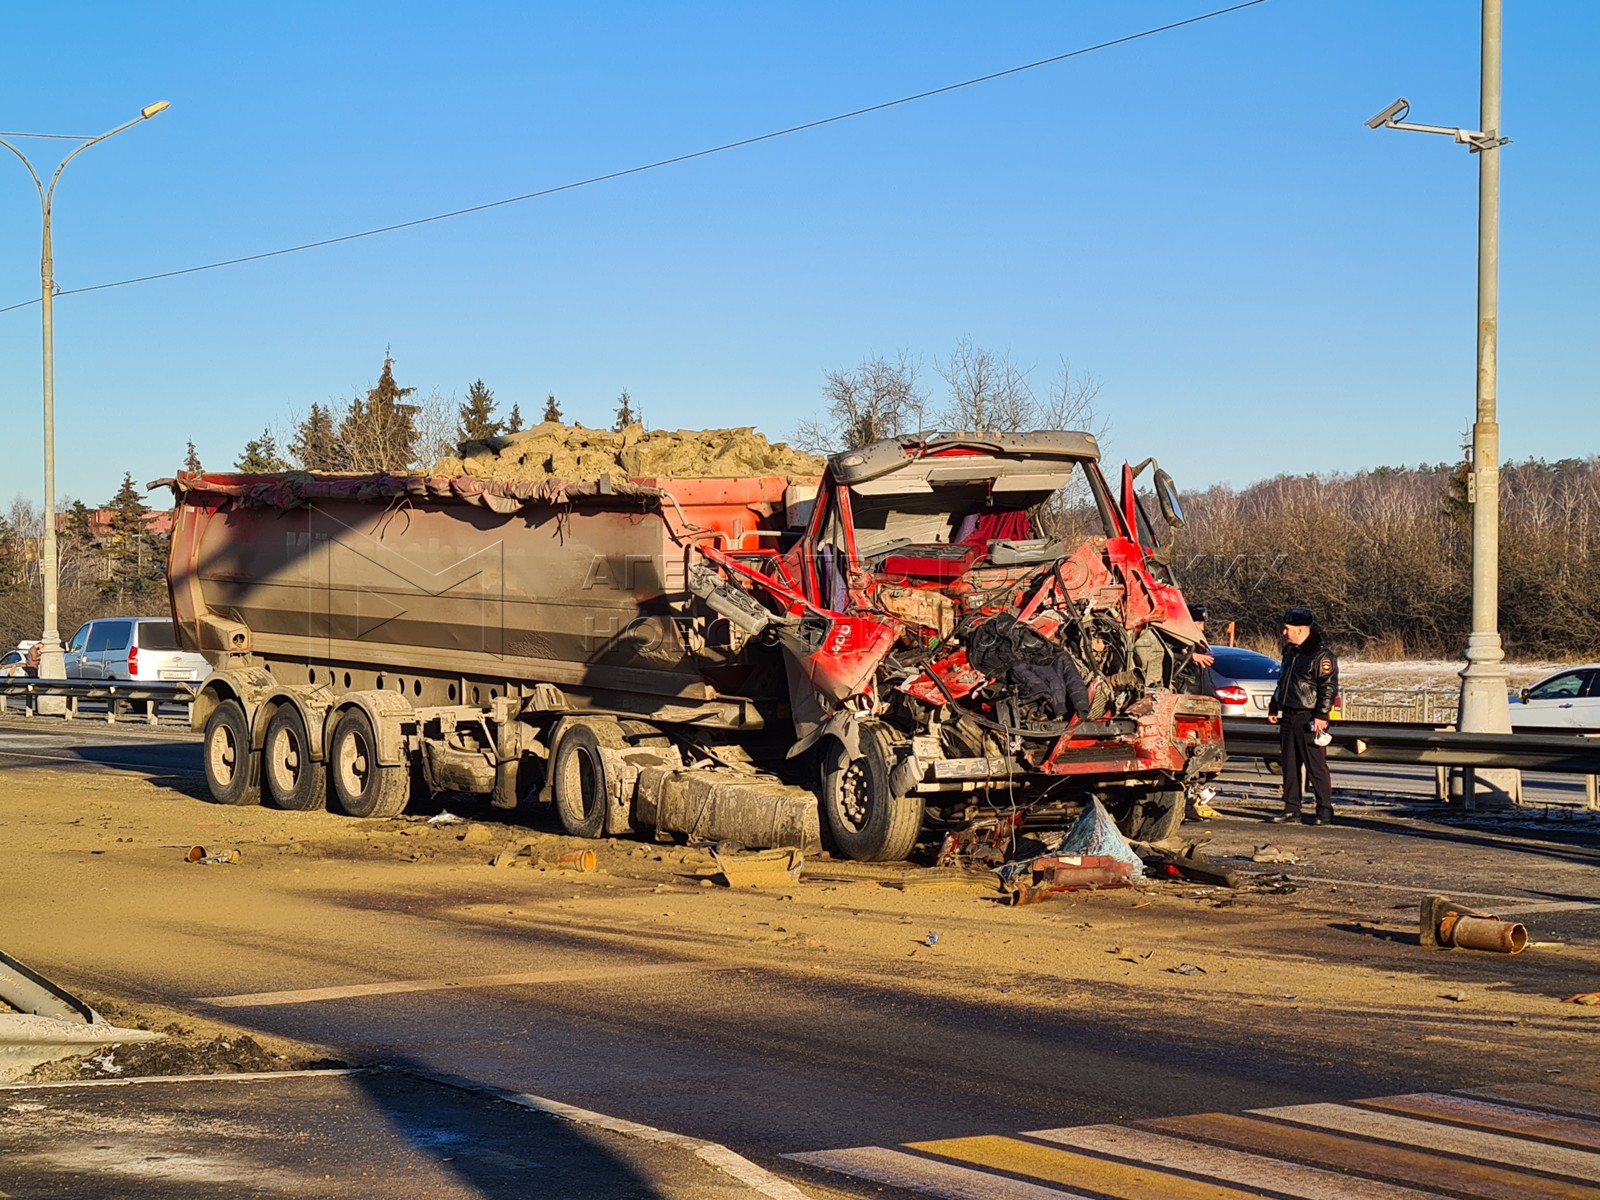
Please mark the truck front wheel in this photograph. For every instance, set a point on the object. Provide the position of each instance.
(1156, 815)
(229, 761)
(868, 821)
(363, 786)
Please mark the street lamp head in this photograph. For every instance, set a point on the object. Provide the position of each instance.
(1395, 112)
(150, 110)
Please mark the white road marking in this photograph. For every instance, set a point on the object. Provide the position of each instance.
(895, 1168)
(1447, 1139)
(1226, 1166)
(398, 986)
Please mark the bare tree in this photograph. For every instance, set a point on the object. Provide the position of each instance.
(878, 399)
(437, 422)
(988, 392)
(1071, 404)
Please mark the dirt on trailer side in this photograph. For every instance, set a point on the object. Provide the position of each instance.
(552, 450)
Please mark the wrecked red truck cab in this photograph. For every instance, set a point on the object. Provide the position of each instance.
(949, 656)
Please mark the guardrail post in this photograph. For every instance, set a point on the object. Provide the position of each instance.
(1441, 784)
(1591, 793)
(150, 707)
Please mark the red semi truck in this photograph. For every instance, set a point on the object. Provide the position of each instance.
(892, 651)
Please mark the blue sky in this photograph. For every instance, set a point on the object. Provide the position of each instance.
(1199, 219)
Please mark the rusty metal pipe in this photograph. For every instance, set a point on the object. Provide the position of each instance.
(1485, 933)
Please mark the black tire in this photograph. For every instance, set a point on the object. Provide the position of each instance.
(290, 777)
(230, 763)
(582, 791)
(363, 786)
(1156, 815)
(869, 823)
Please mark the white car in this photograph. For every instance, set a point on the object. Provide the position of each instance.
(1569, 699)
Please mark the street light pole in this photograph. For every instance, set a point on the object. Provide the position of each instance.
(1484, 707)
(52, 663)
(1484, 704)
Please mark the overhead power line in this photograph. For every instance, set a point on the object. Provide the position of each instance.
(658, 164)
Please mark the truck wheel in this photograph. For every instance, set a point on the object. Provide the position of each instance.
(582, 791)
(291, 778)
(1156, 815)
(226, 754)
(868, 821)
(362, 786)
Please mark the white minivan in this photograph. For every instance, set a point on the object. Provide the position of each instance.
(144, 649)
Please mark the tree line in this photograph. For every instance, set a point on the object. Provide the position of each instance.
(390, 428)
(1384, 557)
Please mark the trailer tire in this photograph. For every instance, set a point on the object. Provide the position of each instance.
(228, 758)
(362, 785)
(868, 820)
(1156, 815)
(581, 787)
(290, 777)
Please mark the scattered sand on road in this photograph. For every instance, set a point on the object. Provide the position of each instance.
(570, 452)
(97, 889)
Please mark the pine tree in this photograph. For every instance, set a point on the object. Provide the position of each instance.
(78, 525)
(260, 456)
(552, 410)
(316, 444)
(191, 461)
(625, 415)
(514, 421)
(129, 549)
(477, 421)
(379, 432)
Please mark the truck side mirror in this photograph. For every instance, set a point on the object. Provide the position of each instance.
(1167, 496)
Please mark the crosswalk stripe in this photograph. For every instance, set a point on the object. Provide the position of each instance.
(1562, 1100)
(1447, 1139)
(1099, 1175)
(1494, 1116)
(1401, 1164)
(1235, 1166)
(947, 1181)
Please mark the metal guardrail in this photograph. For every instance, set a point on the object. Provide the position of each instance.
(116, 693)
(1442, 749)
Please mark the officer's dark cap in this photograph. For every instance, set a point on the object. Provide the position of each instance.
(1299, 616)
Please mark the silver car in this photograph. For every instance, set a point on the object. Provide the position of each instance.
(1244, 681)
(144, 649)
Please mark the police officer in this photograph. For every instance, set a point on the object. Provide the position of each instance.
(1300, 706)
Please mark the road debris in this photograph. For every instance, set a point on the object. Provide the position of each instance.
(523, 853)
(1273, 854)
(759, 868)
(446, 818)
(1583, 998)
(1187, 969)
(1444, 925)
(1454, 997)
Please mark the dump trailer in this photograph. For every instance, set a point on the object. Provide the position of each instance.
(896, 650)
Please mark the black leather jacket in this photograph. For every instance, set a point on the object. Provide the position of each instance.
(1310, 679)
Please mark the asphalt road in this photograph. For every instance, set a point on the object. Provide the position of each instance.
(776, 1058)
